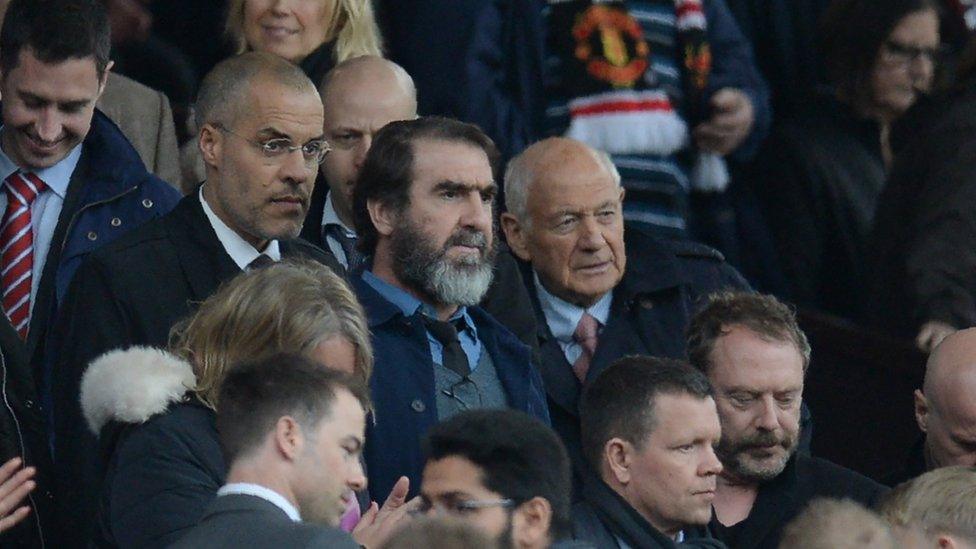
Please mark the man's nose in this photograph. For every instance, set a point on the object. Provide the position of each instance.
(768, 419)
(591, 237)
(49, 125)
(362, 149)
(711, 465)
(294, 167)
(357, 477)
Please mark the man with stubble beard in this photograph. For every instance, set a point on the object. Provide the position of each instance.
(755, 357)
(423, 210)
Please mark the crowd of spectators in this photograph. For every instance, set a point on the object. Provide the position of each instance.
(532, 273)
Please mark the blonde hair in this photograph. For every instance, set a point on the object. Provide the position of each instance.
(837, 524)
(351, 23)
(942, 501)
(291, 306)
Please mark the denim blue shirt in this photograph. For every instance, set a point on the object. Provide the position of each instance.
(562, 317)
(410, 306)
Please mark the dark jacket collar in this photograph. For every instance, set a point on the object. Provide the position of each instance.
(111, 160)
(622, 520)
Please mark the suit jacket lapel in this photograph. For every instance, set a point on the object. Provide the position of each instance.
(561, 384)
(203, 259)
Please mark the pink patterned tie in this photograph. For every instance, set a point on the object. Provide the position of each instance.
(586, 336)
(17, 256)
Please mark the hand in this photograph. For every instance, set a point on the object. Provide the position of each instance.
(932, 333)
(378, 523)
(14, 487)
(730, 124)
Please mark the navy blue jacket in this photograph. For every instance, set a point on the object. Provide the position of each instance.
(402, 386)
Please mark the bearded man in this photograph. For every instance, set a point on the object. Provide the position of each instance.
(755, 357)
(423, 210)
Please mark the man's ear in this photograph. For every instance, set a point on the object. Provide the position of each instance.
(944, 541)
(211, 143)
(383, 216)
(921, 411)
(289, 440)
(515, 236)
(531, 522)
(616, 454)
(104, 80)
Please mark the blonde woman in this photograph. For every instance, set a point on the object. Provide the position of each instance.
(314, 34)
(154, 410)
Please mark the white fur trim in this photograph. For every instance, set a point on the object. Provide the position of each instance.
(710, 173)
(132, 385)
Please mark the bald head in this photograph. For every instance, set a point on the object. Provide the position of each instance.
(226, 91)
(360, 96)
(945, 408)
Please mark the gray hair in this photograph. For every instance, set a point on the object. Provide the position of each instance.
(225, 89)
(520, 173)
(942, 501)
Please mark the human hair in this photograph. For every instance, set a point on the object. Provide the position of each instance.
(351, 23)
(836, 524)
(387, 172)
(519, 457)
(769, 318)
(290, 306)
(941, 501)
(521, 173)
(852, 34)
(55, 31)
(620, 402)
(439, 533)
(226, 89)
(257, 393)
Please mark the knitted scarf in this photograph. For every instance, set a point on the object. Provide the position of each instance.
(619, 106)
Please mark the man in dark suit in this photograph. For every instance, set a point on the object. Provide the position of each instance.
(423, 211)
(593, 301)
(755, 357)
(649, 427)
(359, 97)
(291, 432)
(260, 122)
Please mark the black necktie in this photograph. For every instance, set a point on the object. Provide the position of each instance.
(452, 355)
(348, 244)
(259, 261)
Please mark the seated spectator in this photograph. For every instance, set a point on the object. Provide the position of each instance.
(945, 409)
(423, 213)
(822, 172)
(155, 412)
(936, 510)
(502, 471)
(252, 110)
(440, 533)
(291, 432)
(360, 96)
(649, 428)
(756, 356)
(922, 283)
(594, 302)
(667, 88)
(837, 524)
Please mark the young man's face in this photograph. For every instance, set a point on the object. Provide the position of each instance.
(47, 108)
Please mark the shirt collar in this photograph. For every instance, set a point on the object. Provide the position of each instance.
(258, 491)
(56, 177)
(562, 317)
(407, 303)
(330, 217)
(236, 247)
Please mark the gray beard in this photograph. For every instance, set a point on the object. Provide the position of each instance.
(429, 271)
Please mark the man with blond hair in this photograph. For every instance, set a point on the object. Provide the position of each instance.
(938, 507)
(837, 524)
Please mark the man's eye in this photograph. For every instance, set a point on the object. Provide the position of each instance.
(276, 146)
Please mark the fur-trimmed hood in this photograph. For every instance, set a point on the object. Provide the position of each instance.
(132, 385)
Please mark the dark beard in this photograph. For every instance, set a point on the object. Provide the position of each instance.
(733, 456)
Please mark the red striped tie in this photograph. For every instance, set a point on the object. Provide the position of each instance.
(17, 256)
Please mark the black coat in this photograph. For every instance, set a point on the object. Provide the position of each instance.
(664, 282)
(924, 239)
(131, 293)
(780, 500)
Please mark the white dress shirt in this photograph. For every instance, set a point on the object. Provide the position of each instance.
(562, 317)
(258, 491)
(237, 248)
(330, 217)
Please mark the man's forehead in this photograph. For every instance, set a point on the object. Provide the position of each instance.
(452, 474)
(72, 79)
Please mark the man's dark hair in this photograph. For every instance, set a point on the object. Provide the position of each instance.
(852, 33)
(254, 395)
(387, 172)
(520, 458)
(55, 31)
(769, 318)
(620, 403)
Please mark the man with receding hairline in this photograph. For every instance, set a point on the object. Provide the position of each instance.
(260, 122)
(945, 408)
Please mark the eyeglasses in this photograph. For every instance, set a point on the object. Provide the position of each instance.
(460, 508)
(313, 151)
(903, 54)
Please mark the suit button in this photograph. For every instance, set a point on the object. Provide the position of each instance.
(418, 406)
(29, 403)
(116, 222)
(147, 203)
(92, 235)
